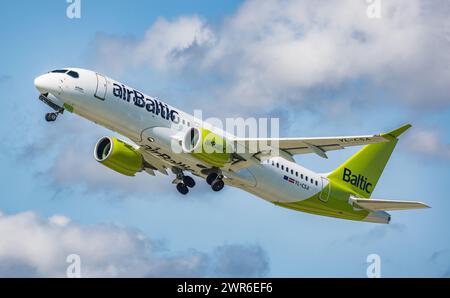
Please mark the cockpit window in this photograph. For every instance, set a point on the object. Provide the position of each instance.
(73, 74)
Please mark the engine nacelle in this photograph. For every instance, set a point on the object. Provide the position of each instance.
(118, 156)
(207, 146)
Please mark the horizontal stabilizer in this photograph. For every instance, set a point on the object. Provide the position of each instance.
(386, 205)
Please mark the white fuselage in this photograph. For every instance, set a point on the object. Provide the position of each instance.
(149, 122)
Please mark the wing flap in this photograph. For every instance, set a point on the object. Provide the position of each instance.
(387, 205)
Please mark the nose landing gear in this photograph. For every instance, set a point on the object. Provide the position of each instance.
(51, 117)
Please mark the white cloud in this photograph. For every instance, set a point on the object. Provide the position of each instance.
(32, 246)
(275, 51)
(429, 143)
(59, 220)
(165, 46)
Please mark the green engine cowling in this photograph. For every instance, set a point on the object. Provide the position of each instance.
(118, 156)
(207, 147)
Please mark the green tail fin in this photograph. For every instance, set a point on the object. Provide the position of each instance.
(362, 171)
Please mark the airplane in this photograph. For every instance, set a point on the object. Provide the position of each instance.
(165, 139)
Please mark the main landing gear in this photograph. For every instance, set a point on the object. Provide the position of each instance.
(183, 182)
(216, 181)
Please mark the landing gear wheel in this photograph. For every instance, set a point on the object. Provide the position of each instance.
(211, 177)
(189, 181)
(182, 188)
(217, 185)
(50, 117)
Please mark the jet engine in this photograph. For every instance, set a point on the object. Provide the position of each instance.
(207, 146)
(118, 156)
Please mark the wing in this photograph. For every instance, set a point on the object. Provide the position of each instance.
(386, 205)
(294, 146)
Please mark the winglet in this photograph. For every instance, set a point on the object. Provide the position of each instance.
(397, 132)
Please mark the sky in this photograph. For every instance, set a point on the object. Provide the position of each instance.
(323, 68)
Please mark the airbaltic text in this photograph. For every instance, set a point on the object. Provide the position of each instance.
(152, 105)
(359, 181)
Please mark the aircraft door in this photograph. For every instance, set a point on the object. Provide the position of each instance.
(326, 190)
(102, 86)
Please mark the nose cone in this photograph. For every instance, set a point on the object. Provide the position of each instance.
(44, 83)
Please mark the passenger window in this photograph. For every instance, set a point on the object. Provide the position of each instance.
(317, 184)
(296, 174)
(278, 165)
(282, 167)
(301, 176)
(287, 169)
(306, 178)
(292, 172)
(273, 163)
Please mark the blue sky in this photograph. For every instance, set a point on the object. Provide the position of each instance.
(232, 58)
